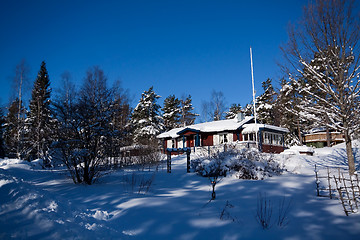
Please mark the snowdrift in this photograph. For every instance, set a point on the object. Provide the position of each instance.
(38, 203)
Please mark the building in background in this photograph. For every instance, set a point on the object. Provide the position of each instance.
(241, 131)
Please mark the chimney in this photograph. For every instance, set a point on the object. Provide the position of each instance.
(240, 116)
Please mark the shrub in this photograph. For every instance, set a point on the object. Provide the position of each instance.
(264, 212)
(246, 163)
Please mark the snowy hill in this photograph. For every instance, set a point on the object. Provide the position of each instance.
(133, 204)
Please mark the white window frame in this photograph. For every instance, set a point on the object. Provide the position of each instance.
(223, 138)
(271, 138)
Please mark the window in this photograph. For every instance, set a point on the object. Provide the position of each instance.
(251, 137)
(223, 138)
(267, 139)
(272, 138)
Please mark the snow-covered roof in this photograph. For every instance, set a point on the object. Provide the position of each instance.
(296, 150)
(215, 126)
(221, 125)
(318, 129)
(170, 134)
(251, 128)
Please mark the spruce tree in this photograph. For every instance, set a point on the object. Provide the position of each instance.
(233, 111)
(146, 120)
(40, 124)
(287, 105)
(265, 104)
(171, 112)
(187, 112)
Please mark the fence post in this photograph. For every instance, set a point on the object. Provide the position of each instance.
(347, 193)
(341, 196)
(328, 172)
(353, 192)
(317, 182)
(188, 160)
(357, 183)
(168, 162)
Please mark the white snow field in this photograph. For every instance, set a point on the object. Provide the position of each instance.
(45, 204)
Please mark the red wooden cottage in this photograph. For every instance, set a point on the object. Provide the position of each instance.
(238, 130)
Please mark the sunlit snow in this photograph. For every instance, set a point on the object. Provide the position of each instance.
(44, 204)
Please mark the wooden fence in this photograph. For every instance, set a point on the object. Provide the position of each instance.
(333, 183)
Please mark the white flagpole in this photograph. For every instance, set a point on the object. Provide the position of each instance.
(253, 91)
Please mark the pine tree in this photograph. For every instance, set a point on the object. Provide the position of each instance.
(289, 114)
(187, 115)
(171, 112)
(146, 120)
(265, 104)
(2, 145)
(40, 124)
(249, 109)
(14, 129)
(233, 111)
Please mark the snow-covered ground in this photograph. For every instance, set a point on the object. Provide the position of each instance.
(45, 204)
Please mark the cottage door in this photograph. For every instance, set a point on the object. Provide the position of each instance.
(191, 141)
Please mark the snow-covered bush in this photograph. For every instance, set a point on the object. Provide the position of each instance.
(244, 164)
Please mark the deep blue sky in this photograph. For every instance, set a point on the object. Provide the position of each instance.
(179, 47)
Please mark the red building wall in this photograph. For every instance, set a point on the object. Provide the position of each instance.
(235, 137)
(190, 142)
(272, 149)
(207, 139)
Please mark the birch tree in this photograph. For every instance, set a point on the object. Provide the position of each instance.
(324, 52)
(215, 109)
(19, 84)
(87, 127)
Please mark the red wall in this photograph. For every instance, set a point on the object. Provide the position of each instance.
(235, 137)
(207, 139)
(189, 133)
(272, 149)
(190, 142)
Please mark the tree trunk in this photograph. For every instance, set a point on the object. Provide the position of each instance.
(328, 136)
(86, 173)
(349, 153)
(299, 131)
